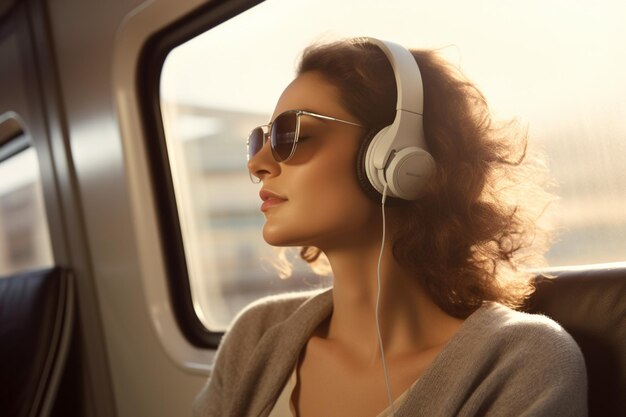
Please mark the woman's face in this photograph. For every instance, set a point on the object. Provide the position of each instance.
(314, 198)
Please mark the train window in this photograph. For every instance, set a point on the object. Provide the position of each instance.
(556, 68)
(24, 234)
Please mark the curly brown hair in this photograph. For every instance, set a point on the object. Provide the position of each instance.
(472, 235)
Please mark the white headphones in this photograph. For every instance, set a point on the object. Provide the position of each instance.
(397, 154)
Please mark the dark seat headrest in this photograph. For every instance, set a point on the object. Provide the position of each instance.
(36, 319)
(591, 305)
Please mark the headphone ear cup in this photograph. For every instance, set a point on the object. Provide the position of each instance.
(361, 171)
(409, 172)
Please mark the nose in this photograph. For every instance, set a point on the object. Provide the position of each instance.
(263, 165)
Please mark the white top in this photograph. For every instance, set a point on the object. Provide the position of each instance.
(283, 407)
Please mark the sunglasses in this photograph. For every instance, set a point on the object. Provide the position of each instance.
(283, 134)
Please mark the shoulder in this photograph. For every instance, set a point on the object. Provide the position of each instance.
(534, 352)
(519, 361)
(244, 336)
(527, 334)
(260, 315)
(534, 340)
(265, 316)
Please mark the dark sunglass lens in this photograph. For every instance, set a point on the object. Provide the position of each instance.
(283, 135)
(255, 142)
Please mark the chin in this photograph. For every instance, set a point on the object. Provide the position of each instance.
(275, 237)
(286, 236)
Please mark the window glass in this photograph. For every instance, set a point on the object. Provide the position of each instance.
(24, 233)
(555, 66)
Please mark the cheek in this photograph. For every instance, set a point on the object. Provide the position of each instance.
(325, 201)
(330, 183)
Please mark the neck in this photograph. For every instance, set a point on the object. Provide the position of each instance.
(408, 318)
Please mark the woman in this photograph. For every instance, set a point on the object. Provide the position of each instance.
(425, 327)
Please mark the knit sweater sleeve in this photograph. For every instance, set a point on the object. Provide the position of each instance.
(504, 363)
(236, 349)
(211, 401)
(544, 375)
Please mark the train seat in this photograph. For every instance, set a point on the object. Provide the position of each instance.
(36, 323)
(591, 305)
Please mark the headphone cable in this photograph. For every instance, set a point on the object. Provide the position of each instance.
(380, 339)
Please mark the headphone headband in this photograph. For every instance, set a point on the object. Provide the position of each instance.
(407, 74)
(397, 155)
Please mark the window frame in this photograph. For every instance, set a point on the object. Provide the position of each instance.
(148, 78)
(13, 138)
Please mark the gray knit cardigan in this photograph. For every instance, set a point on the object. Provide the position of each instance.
(500, 363)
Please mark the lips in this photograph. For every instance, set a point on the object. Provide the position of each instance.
(270, 199)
